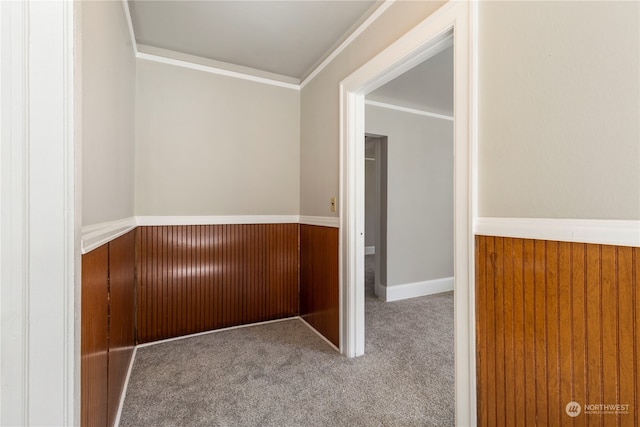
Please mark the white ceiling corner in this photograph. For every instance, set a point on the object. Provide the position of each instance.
(279, 42)
(285, 38)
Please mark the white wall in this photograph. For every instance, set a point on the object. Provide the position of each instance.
(419, 194)
(319, 132)
(108, 98)
(559, 102)
(558, 108)
(214, 145)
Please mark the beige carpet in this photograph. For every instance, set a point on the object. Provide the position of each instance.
(282, 374)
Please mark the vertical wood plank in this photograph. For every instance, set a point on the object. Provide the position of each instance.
(553, 346)
(540, 331)
(481, 329)
(594, 331)
(579, 325)
(93, 346)
(121, 317)
(609, 345)
(499, 310)
(519, 330)
(529, 327)
(636, 335)
(564, 316)
(492, 408)
(508, 286)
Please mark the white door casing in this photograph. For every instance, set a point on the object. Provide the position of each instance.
(39, 232)
(457, 19)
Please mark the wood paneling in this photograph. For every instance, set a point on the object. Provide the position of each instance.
(121, 316)
(93, 358)
(319, 292)
(198, 278)
(556, 322)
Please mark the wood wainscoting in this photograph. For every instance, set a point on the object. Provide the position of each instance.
(556, 323)
(319, 292)
(93, 347)
(195, 278)
(107, 328)
(121, 316)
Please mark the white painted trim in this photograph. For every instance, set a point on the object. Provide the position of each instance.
(322, 221)
(230, 328)
(14, 227)
(215, 70)
(239, 72)
(600, 231)
(369, 250)
(39, 343)
(125, 386)
(96, 235)
(418, 289)
(315, 331)
(407, 110)
(411, 49)
(375, 15)
(193, 59)
(217, 219)
(132, 35)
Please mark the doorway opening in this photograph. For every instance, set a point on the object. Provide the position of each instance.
(375, 170)
(410, 231)
(455, 19)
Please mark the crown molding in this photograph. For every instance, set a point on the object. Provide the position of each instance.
(407, 110)
(346, 42)
(127, 14)
(218, 65)
(215, 70)
(165, 56)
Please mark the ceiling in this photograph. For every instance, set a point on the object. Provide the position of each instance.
(289, 38)
(286, 39)
(426, 87)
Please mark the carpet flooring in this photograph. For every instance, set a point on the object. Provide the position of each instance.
(283, 374)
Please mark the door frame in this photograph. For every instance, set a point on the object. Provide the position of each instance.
(40, 223)
(460, 20)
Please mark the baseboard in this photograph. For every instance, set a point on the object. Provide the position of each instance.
(123, 395)
(369, 250)
(213, 331)
(598, 231)
(381, 291)
(418, 289)
(97, 235)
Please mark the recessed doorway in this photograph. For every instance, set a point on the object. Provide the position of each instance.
(416, 46)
